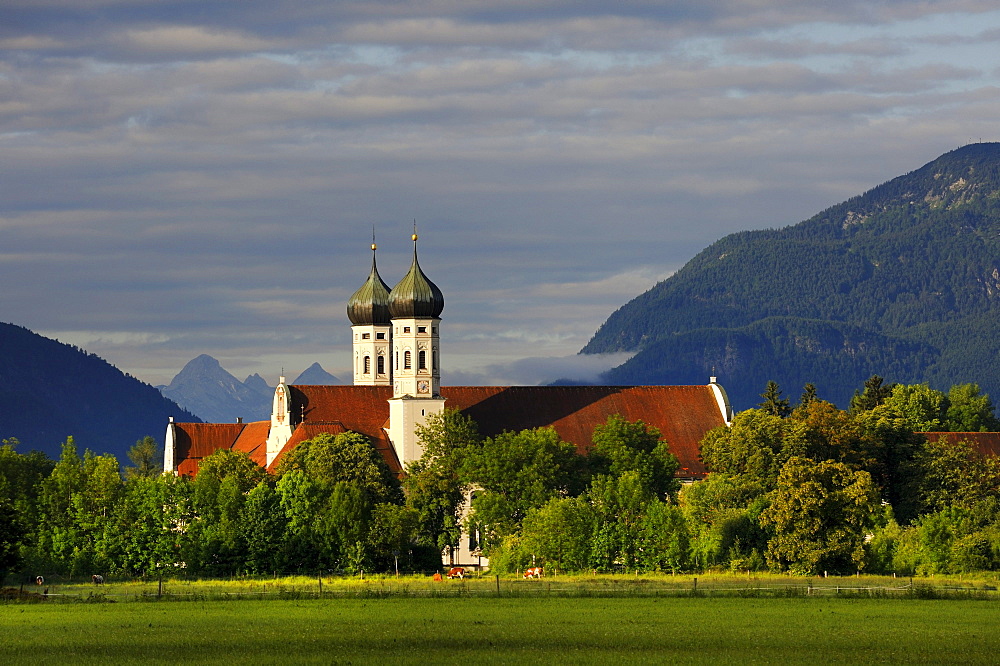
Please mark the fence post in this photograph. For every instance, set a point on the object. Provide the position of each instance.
(159, 589)
(498, 585)
(694, 586)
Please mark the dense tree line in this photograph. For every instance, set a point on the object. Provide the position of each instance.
(804, 488)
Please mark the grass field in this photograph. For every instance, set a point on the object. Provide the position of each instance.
(541, 629)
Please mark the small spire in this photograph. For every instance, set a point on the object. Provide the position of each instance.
(374, 247)
(414, 231)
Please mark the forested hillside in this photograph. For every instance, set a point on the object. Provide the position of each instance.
(902, 281)
(50, 391)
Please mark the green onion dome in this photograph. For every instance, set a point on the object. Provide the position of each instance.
(370, 304)
(415, 295)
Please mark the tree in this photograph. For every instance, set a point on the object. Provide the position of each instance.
(808, 395)
(558, 534)
(350, 457)
(149, 528)
(619, 446)
(820, 513)
(924, 408)
(12, 532)
(665, 538)
(773, 403)
(943, 474)
(21, 476)
(432, 484)
(146, 458)
(393, 534)
(620, 504)
(264, 524)
(302, 500)
(969, 410)
(57, 534)
(752, 446)
(216, 468)
(874, 394)
(344, 526)
(517, 472)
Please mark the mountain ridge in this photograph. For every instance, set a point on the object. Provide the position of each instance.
(909, 270)
(51, 390)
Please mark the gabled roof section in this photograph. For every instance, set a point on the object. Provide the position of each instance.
(683, 414)
(253, 441)
(985, 443)
(195, 441)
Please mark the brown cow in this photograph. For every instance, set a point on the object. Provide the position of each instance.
(533, 572)
(456, 572)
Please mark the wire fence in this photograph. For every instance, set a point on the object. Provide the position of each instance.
(483, 586)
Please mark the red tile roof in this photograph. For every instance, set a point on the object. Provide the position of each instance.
(683, 414)
(194, 441)
(986, 443)
(253, 441)
(303, 432)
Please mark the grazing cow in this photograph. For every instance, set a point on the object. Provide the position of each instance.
(39, 580)
(456, 572)
(533, 572)
(98, 579)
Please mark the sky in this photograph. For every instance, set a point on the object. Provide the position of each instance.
(189, 177)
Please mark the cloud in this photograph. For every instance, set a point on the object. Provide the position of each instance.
(582, 368)
(207, 182)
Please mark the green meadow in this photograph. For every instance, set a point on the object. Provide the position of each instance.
(606, 620)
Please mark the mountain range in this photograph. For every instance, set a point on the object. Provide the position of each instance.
(902, 281)
(205, 388)
(50, 391)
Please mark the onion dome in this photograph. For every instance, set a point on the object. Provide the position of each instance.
(370, 304)
(415, 295)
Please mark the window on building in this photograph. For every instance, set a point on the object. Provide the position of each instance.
(397, 360)
(407, 360)
(381, 365)
(368, 365)
(380, 336)
(421, 329)
(434, 359)
(366, 336)
(422, 359)
(406, 329)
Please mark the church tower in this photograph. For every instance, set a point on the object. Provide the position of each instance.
(415, 306)
(368, 311)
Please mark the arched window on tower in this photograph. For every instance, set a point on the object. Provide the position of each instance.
(380, 364)
(368, 365)
(434, 359)
(407, 360)
(422, 359)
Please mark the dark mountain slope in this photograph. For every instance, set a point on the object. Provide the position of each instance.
(50, 390)
(909, 271)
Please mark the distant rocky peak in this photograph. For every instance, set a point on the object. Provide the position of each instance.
(257, 383)
(315, 375)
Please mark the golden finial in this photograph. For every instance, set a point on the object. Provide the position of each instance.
(373, 239)
(414, 237)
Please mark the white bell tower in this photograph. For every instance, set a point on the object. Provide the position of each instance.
(415, 305)
(368, 311)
